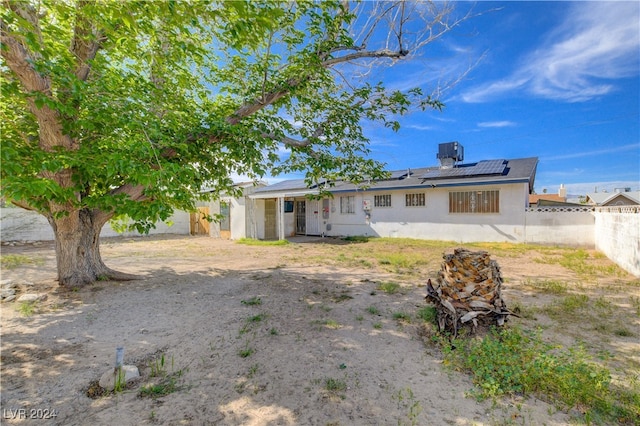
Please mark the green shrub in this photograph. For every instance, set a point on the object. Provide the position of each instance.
(389, 287)
(513, 361)
(402, 316)
(11, 261)
(427, 314)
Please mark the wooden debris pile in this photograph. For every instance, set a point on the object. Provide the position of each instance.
(468, 292)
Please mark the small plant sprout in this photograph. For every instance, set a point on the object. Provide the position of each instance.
(389, 287)
(120, 381)
(27, 309)
(402, 317)
(246, 351)
(252, 301)
(373, 310)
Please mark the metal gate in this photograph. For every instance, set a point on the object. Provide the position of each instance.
(301, 217)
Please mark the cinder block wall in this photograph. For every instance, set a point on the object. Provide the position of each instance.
(565, 226)
(17, 224)
(617, 235)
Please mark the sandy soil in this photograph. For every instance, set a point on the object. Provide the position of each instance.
(311, 353)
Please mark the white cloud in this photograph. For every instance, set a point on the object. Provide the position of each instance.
(606, 151)
(503, 123)
(598, 41)
(419, 127)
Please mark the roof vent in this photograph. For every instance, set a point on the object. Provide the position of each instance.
(449, 153)
(619, 190)
(562, 191)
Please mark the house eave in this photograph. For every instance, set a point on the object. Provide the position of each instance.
(433, 185)
(418, 186)
(266, 195)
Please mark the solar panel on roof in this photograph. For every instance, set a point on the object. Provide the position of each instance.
(485, 167)
(445, 173)
(490, 167)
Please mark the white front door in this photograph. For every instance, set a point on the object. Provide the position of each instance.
(313, 217)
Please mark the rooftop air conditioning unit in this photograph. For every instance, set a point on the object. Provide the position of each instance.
(450, 153)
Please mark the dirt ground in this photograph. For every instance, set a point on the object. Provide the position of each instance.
(234, 334)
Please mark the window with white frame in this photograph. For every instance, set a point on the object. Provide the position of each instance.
(474, 202)
(348, 204)
(414, 200)
(382, 200)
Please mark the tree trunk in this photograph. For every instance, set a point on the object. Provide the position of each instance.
(77, 240)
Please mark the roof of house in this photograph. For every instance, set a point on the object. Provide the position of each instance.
(535, 198)
(548, 203)
(604, 198)
(481, 173)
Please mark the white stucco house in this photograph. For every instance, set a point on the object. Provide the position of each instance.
(234, 214)
(482, 201)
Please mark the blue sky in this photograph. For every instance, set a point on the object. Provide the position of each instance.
(555, 80)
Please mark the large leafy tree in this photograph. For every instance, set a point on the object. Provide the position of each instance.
(116, 109)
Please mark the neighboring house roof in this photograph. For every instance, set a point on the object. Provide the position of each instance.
(485, 172)
(536, 198)
(242, 185)
(613, 198)
(549, 203)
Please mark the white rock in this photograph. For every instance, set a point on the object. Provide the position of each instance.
(107, 381)
(6, 292)
(32, 297)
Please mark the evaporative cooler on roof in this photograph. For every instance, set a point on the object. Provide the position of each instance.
(450, 153)
(452, 150)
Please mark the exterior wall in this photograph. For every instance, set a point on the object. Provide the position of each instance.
(17, 224)
(617, 235)
(289, 220)
(251, 225)
(241, 215)
(259, 219)
(214, 227)
(432, 221)
(237, 213)
(560, 225)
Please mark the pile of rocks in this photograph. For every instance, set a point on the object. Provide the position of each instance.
(15, 243)
(9, 293)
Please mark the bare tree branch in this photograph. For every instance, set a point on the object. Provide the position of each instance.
(269, 98)
(434, 16)
(374, 19)
(382, 53)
